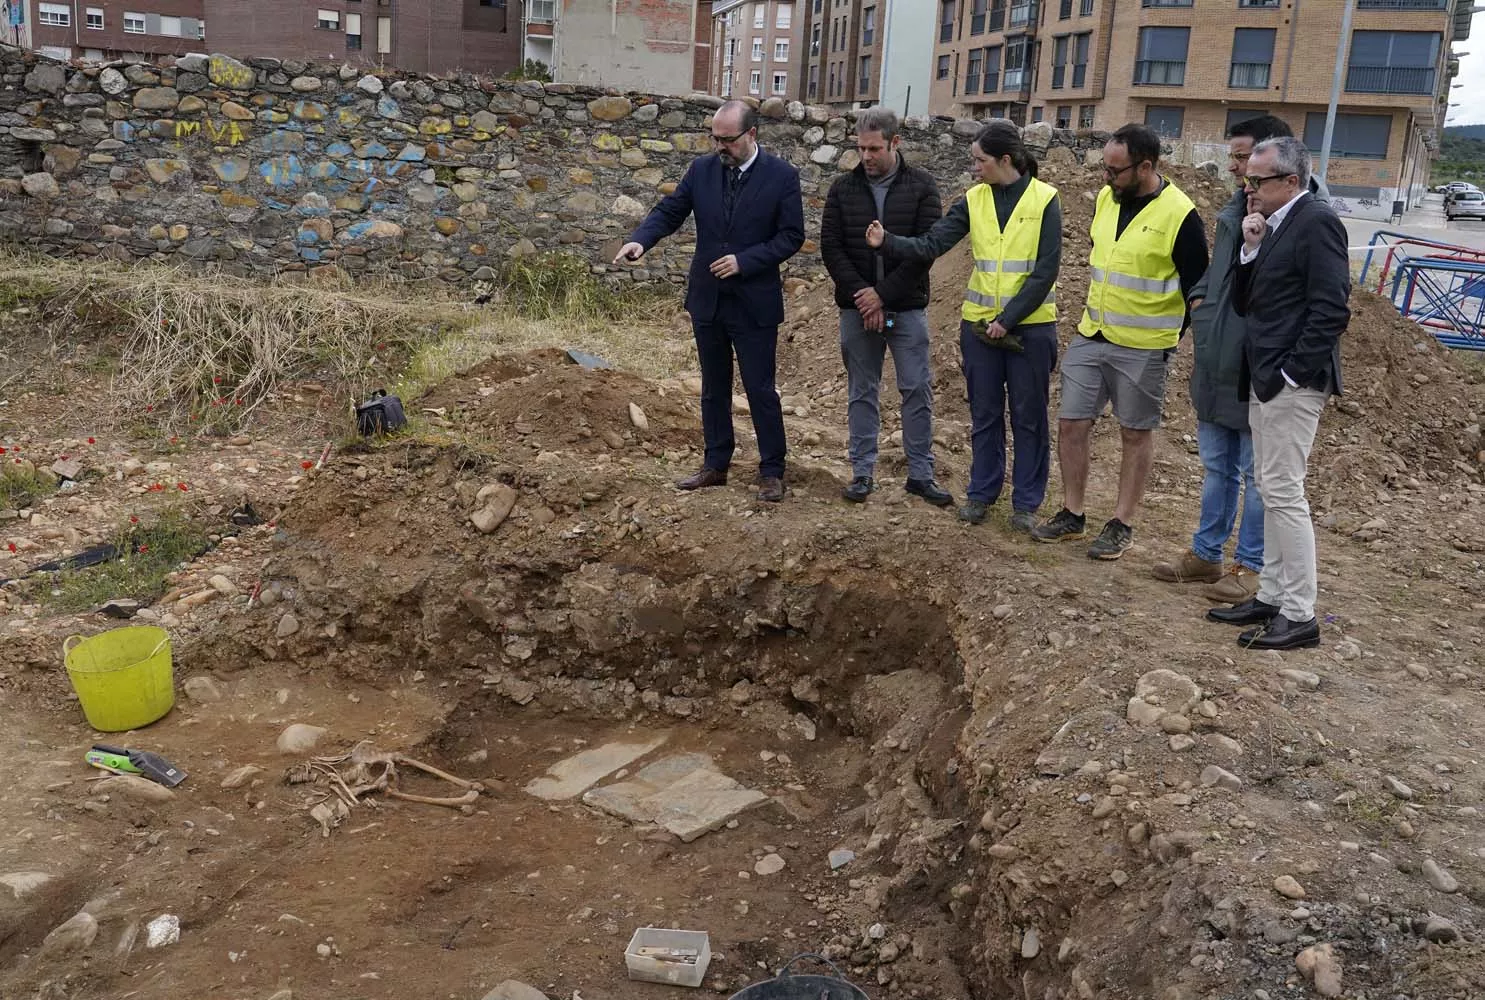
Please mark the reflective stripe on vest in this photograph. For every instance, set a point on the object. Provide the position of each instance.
(1005, 259)
(1134, 289)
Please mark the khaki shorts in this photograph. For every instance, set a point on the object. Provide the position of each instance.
(1096, 371)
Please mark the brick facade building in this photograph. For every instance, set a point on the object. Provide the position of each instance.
(753, 49)
(109, 29)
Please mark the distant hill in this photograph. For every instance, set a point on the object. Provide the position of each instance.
(1462, 155)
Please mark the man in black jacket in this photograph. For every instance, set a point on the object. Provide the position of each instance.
(883, 302)
(1293, 282)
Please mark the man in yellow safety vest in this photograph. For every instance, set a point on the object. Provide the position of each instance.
(1149, 250)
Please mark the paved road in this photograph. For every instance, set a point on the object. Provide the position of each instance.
(1426, 221)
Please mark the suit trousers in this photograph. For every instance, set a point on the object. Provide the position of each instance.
(1283, 432)
(731, 332)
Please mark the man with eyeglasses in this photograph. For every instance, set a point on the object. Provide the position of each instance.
(1293, 284)
(749, 220)
(1149, 250)
(1223, 439)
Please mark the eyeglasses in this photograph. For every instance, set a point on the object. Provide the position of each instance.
(1113, 174)
(1239, 157)
(727, 140)
(1254, 183)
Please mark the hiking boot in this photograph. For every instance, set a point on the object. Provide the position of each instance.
(1113, 541)
(1237, 585)
(1065, 526)
(930, 491)
(861, 487)
(771, 489)
(1190, 568)
(974, 512)
(1023, 521)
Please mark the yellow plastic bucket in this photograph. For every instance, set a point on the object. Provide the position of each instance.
(123, 677)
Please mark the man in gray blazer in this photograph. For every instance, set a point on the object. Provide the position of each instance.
(1293, 281)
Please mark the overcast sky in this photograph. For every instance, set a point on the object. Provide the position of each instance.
(1471, 95)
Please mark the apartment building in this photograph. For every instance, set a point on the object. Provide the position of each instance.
(107, 29)
(1190, 68)
(423, 36)
(857, 53)
(658, 46)
(753, 49)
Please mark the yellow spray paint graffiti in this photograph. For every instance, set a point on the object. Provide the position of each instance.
(229, 133)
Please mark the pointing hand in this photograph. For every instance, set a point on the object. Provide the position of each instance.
(875, 235)
(629, 252)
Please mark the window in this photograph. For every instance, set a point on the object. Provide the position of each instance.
(977, 17)
(1017, 114)
(95, 18)
(781, 50)
(992, 70)
(1161, 58)
(1165, 3)
(328, 19)
(784, 17)
(384, 34)
(780, 82)
(830, 84)
(133, 24)
(997, 15)
(1065, 10)
(815, 40)
(1166, 121)
(170, 27)
(1258, 3)
(972, 71)
(755, 82)
(1059, 60)
(946, 21)
(1080, 58)
(1360, 137)
(868, 26)
(1235, 115)
(1023, 14)
(757, 50)
(1392, 62)
(759, 12)
(1016, 75)
(1085, 116)
(814, 80)
(200, 29)
(54, 15)
(1086, 8)
(1064, 116)
(353, 32)
(1037, 112)
(545, 12)
(1252, 55)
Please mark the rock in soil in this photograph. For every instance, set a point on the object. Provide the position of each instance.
(299, 737)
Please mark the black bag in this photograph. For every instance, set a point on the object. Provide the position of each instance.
(381, 414)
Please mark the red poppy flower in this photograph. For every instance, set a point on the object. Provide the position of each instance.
(156, 487)
(11, 546)
(182, 487)
(133, 518)
(306, 464)
(2, 451)
(216, 380)
(174, 440)
(91, 441)
(239, 402)
(144, 548)
(149, 409)
(64, 457)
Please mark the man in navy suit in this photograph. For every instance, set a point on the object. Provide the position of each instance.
(749, 220)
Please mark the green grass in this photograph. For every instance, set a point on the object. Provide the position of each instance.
(152, 552)
(562, 285)
(18, 492)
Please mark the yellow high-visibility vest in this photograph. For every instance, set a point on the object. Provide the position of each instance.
(1134, 290)
(1003, 260)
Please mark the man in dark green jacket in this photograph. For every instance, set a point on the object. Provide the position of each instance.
(1222, 436)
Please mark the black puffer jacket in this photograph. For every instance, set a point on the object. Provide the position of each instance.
(913, 206)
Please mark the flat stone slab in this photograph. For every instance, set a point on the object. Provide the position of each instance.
(684, 793)
(569, 778)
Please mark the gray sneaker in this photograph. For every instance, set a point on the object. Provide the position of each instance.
(1023, 521)
(1065, 526)
(1113, 541)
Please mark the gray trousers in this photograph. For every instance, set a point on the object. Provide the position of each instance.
(863, 353)
(1283, 431)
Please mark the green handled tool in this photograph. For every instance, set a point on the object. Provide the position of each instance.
(120, 760)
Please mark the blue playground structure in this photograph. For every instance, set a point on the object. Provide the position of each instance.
(1439, 286)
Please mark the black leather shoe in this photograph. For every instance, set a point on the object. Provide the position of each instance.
(930, 491)
(703, 479)
(1250, 612)
(974, 512)
(771, 489)
(861, 487)
(1281, 633)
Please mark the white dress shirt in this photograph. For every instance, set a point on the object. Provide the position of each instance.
(1247, 256)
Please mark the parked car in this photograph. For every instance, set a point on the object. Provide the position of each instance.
(1459, 188)
(1466, 205)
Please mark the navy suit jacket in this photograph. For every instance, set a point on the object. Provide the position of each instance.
(766, 229)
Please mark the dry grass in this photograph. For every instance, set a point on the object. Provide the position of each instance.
(211, 348)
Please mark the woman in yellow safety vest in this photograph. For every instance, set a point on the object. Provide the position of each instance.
(1008, 330)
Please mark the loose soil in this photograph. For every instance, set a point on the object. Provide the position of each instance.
(952, 704)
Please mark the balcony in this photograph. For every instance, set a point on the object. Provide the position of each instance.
(1402, 4)
(1160, 72)
(1390, 79)
(1017, 80)
(1022, 15)
(1261, 4)
(1249, 76)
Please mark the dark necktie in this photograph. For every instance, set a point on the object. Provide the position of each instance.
(734, 184)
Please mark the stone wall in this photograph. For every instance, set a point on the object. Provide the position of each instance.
(267, 167)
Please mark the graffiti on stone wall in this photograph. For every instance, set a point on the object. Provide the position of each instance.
(228, 133)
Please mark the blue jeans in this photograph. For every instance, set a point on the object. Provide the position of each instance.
(863, 353)
(1228, 457)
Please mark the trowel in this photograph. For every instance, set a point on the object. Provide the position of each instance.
(123, 761)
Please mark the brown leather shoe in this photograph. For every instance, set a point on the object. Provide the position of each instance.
(706, 477)
(1236, 586)
(770, 489)
(1190, 568)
